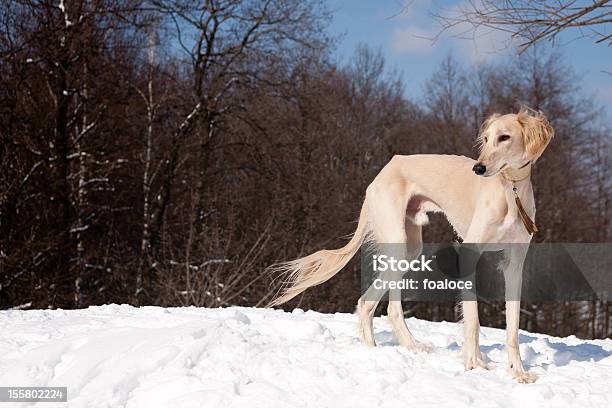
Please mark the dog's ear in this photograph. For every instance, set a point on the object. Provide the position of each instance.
(537, 132)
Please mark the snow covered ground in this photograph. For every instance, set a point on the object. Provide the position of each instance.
(120, 356)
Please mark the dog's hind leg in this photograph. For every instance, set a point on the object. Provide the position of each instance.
(365, 314)
(366, 306)
(411, 250)
(388, 197)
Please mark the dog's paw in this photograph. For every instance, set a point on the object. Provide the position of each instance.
(418, 347)
(475, 362)
(524, 377)
(369, 342)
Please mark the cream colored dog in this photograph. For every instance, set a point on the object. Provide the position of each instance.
(478, 201)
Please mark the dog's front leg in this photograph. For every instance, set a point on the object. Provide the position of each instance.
(513, 276)
(472, 357)
(513, 310)
(480, 231)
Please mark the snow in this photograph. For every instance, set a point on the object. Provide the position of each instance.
(121, 356)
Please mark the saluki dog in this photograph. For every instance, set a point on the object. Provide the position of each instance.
(483, 201)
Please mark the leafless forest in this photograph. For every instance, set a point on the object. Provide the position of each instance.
(166, 151)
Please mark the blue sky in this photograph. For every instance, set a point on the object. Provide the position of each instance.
(401, 39)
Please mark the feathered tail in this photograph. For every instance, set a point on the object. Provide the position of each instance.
(321, 266)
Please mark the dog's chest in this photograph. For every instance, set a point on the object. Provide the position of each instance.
(511, 228)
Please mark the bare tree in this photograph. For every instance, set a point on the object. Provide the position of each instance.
(54, 45)
(447, 99)
(532, 21)
(228, 43)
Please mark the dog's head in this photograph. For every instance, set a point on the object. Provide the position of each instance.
(512, 140)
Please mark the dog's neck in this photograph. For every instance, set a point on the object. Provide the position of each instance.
(520, 176)
(517, 174)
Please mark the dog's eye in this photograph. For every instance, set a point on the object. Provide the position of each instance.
(486, 139)
(503, 138)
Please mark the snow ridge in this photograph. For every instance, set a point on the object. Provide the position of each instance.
(121, 356)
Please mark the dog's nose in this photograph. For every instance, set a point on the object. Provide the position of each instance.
(479, 169)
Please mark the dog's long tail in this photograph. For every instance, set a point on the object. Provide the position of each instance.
(314, 269)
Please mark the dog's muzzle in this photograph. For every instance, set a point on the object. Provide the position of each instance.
(479, 169)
